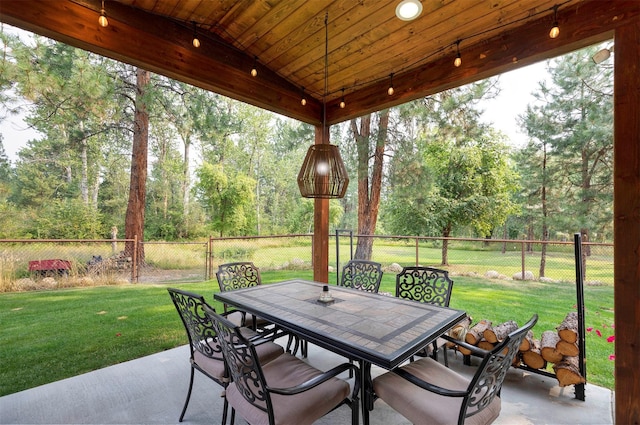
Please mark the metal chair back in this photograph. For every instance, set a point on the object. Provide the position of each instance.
(488, 379)
(363, 275)
(424, 284)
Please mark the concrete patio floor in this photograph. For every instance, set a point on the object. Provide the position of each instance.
(152, 389)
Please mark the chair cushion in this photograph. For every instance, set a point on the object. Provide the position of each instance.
(299, 409)
(214, 366)
(237, 316)
(424, 407)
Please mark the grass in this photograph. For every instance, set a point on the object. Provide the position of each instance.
(51, 335)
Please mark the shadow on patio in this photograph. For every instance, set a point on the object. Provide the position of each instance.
(151, 390)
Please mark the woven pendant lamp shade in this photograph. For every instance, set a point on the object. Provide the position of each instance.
(323, 174)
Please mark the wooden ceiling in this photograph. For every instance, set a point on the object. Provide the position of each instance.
(286, 41)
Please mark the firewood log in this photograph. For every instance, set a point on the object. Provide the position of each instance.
(548, 342)
(527, 341)
(532, 356)
(485, 345)
(568, 372)
(463, 351)
(568, 349)
(500, 332)
(475, 333)
(568, 329)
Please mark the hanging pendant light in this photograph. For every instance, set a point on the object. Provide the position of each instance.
(102, 20)
(323, 174)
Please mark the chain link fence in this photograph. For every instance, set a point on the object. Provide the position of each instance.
(43, 264)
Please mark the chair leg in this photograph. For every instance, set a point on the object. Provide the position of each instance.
(224, 412)
(186, 402)
(233, 416)
(446, 356)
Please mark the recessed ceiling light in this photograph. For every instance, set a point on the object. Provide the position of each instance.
(408, 10)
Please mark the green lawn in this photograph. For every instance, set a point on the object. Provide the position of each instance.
(51, 335)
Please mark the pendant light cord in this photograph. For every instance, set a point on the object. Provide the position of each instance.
(326, 77)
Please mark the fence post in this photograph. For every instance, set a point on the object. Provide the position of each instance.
(337, 257)
(134, 260)
(523, 265)
(417, 254)
(582, 366)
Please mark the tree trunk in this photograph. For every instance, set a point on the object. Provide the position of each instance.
(446, 232)
(545, 213)
(134, 219)
(186, 182)
(369, 190)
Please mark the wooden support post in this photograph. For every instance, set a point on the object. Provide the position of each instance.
(626, 221)
(321, 229)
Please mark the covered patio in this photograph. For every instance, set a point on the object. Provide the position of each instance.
(371, 50)
(151, 390)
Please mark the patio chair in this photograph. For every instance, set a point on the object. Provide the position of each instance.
(205, 352)
(427, 392)
(427, 285)
(232, 276)
(284, 391)
(245, 274)
(362, 274)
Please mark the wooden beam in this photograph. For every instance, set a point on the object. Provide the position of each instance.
(586, 24)
(162, 46)
(626, 208)
(321, 227)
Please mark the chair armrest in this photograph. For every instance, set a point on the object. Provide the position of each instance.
(314, 382)
(478, 351)
(428, 386)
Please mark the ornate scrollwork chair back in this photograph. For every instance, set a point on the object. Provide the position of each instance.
(206, 354)
(424, 284)
(363, 275)
(204, 343)
(285, 390)
(425, 391)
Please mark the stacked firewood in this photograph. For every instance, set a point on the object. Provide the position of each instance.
(558, 347)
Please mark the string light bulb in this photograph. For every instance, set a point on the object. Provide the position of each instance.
(458, 60)
(303, 101)
(196, 42)
(555, 30)
(342, 103)
(102, 20)
(254, 70)
(390, 90)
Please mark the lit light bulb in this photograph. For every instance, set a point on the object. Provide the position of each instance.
(458, 61)
(322, 168)
(102, 20)
(555, 31)
(390, 91)
(254, 72)
(196, 42)
(342, 104)
(303, 102)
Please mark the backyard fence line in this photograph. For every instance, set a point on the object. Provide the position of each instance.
(169, 261)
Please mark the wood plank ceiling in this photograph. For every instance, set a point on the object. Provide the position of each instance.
(286, 40)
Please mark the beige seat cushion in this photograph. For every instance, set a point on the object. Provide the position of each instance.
(237, 316)
(267, 351)
(424, 407)
(304, 408)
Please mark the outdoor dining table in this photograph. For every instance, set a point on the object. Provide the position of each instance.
(366, 327)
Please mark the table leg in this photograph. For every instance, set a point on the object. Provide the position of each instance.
(367, 390)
